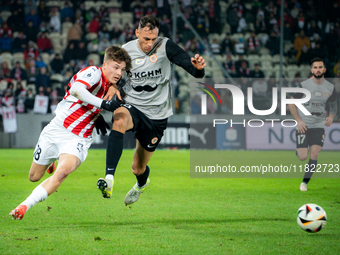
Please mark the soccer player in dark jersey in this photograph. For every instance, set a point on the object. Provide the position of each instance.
(148, 103)
(310, 128)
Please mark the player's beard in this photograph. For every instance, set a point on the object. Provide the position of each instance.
(319, 76)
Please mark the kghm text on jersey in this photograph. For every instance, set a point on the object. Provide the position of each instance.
(152, 73)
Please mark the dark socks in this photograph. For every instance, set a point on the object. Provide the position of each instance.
(114, 151)
(311, 167)
(141, 179)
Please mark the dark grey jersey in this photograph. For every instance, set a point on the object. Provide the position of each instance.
(320, 94)
(150, 90)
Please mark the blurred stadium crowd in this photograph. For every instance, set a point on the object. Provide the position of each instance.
(44, 43)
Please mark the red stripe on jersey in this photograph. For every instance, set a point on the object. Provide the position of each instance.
(88, 119)
(89, 131)
(77, 129)
(73, 105)
(101, 90)
(75, 115)
(84, 82)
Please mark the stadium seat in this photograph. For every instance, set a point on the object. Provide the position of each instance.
(63, 43)
(5, 14)
(292, 67)
(116, 17)
(113, 4)
(234, 57)
(91, 36)
(263, 38)
(268, 71)
(126, 17)
(65, 27)
(226, 29)
(100, 3)
(291, 74)
(219, 58)
(15, 34)
(246, 36)
(50, 4)
(266, 57)
(95, 57)
(287, 47)
(55, 39)
(3, 85)
(276, 58)
(6, 55)
(251, 26)
(264, 51)
(237, 36)
(266, 64)
(89, 4)
(304, 71)
(253, 59)
(212, 36)
(56, 79)
(45, 57)
(18, 56)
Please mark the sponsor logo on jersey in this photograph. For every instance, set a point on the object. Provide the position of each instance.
(139, 61)
(318, 104)
(151, 73)
(326, 94)
(153, 58)
(318, 94)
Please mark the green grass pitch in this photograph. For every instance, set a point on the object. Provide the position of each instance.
(176, 214)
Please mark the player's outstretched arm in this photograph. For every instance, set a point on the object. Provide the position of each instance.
(194, 66)
(79, 91)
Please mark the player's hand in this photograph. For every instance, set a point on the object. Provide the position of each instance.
(111, 92)
(328, 121)
(101, 125)
(110, 105)
(302, 128)
(198, 62)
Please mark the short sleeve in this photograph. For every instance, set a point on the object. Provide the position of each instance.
(89, 76)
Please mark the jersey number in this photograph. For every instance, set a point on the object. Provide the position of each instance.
(37, 153)
(301, 138)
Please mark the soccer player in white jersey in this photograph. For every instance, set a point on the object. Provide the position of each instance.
(310, 128)
(69, 135)
(148, 102)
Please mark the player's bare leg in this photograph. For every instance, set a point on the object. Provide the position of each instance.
(67, 164)
(141, 158)
(302, 153)
(312, 164)
(37, 171)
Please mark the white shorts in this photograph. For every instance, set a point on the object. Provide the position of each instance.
(55, 140)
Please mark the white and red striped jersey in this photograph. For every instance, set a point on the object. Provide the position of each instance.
(75, 115)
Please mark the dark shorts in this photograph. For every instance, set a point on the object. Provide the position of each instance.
(313, 136)
(148, 132)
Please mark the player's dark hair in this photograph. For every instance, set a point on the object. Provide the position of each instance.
(317, 60)
(118, 54)
(149, 21)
